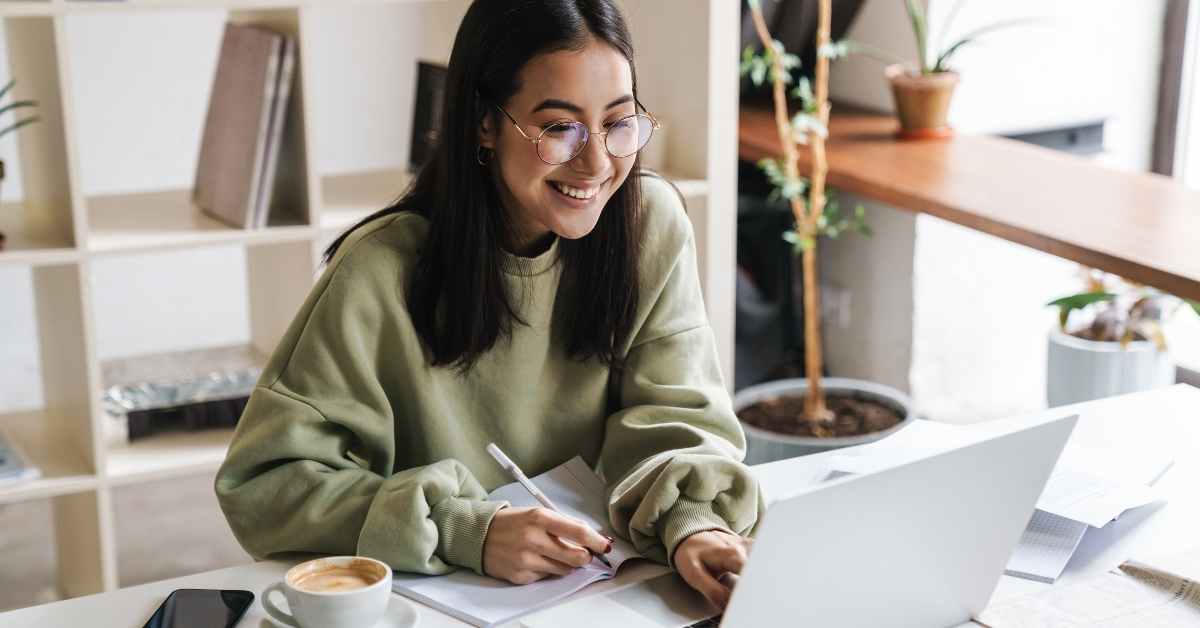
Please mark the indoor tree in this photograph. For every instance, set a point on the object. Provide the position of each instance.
(815, 213)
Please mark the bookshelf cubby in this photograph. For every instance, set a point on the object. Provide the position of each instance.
(60, 233)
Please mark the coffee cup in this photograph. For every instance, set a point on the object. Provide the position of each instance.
(334, 592)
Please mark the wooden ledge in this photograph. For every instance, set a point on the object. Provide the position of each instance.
(1145, 227)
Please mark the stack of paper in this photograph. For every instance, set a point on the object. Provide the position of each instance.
(1088, 488)
(1085, 491)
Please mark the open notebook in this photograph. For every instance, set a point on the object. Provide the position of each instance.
(482, 601)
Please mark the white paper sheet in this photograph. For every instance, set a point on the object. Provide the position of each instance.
(1134, 595)
(1091, 499)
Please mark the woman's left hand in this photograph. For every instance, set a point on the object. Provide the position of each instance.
(704, 558)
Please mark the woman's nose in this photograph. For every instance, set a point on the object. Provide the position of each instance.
(593, 160)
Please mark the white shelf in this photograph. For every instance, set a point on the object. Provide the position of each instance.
(63, 472)
(167, 456)
(23, 247)
(35, 252)
(167, 219)
(354, 196)
(61, 236)
(688, 187)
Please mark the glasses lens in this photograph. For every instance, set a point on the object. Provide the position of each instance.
(628, 135)
(561, 142)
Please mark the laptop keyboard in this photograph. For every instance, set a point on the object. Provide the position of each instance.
(711, 622)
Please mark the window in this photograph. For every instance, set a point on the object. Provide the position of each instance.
(1184, 329)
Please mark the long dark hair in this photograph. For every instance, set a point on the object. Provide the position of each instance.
(456, 296)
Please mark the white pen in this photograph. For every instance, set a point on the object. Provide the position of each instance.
(537, 493)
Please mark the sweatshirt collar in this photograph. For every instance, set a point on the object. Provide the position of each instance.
(530, 266)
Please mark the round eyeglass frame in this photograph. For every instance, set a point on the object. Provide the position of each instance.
(536, 141)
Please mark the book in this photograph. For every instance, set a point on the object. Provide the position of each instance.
(279, 121)
(14, 465)
(229, 171)
(179, 390)
(482, 601)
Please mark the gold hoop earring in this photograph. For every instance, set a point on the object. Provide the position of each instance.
(484, 155)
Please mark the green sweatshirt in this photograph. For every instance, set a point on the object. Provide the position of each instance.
(352, 444)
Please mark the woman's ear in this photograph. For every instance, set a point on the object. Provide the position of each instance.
(486, 132)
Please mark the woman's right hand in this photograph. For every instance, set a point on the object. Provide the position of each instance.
(524, 545)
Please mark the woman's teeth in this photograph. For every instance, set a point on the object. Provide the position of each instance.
(575, 192)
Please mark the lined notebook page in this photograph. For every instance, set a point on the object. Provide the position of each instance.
(481, 601)
(1045, 547)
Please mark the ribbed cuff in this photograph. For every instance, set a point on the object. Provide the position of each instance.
(685, 518)
(462, 527)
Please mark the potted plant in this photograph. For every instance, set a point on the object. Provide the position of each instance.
(12, 128)
(922, 91)
(1110, 340)
(791, 417)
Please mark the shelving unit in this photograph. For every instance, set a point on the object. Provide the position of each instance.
(58, 231)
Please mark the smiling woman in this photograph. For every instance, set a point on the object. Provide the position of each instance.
(531, 289)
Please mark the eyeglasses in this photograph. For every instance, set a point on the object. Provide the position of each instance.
(562, 140)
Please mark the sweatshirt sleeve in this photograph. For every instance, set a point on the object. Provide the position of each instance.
(310, 468)
(672, 452)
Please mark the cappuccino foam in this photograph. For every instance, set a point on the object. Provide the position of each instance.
(336, 578)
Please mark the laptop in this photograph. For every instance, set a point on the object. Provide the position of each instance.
(922, 543)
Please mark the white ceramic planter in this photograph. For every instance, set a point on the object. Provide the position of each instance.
(1078, 369)
(765, 446)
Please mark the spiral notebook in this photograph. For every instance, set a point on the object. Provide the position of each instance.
(481, 601)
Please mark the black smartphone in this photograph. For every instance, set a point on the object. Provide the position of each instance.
(201, 608)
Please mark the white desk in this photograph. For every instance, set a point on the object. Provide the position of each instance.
(1168, 418)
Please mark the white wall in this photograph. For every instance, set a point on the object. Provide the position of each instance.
(978, 324)
(866, 281)
(137, 134)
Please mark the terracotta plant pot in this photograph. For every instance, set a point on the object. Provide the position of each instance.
(922, 101)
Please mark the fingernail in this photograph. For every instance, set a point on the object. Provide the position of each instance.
(609, 548)
(610, 539)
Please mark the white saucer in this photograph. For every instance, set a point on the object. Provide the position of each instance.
(400, 613)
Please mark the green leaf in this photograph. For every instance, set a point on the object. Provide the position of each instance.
(1083, 299)
(1195, 306)
(18, 125)
(792, 189)
(943, 59)
(758, 73)
(1068, 304)
(804, 123)
(18, 104)
(916, 14)
(948, 22)
(7, 87)
(773, 169)
(804, 92)
(835, 50)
